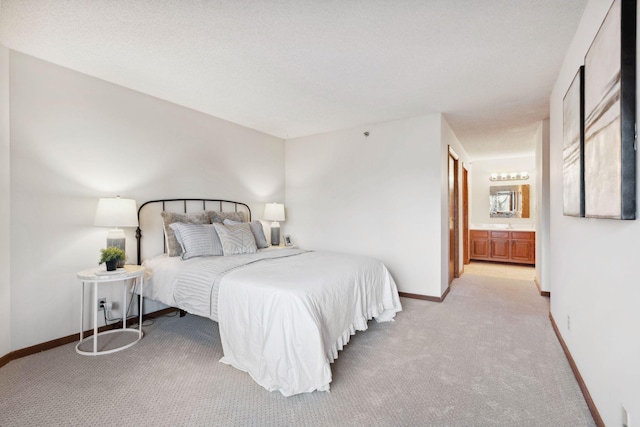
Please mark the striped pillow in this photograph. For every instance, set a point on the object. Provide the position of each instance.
(197, 239)
(256, 229)
(236, 239)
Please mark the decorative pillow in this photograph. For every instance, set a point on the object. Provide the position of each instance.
(197, 239)
(221, 216)
(256, 229)
(236, 239)
(173, 247)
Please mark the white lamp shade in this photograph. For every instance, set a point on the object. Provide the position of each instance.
(274, 212)
(116, 212)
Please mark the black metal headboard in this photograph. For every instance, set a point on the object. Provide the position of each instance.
(180, 206)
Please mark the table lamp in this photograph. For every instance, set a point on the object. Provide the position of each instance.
(116, 212)
(274, 212)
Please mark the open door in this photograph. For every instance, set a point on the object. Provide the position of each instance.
(453, 216)
(465, 217)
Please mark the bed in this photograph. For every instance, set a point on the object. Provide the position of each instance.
(283, 313)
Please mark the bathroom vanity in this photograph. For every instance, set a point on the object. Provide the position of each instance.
(503, 245)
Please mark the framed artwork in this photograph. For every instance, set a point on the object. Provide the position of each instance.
(287, 240)
(573, 147)
(610, 116)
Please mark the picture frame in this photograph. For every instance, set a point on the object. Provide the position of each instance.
(287, 240)
(610, 116)
(573, 147)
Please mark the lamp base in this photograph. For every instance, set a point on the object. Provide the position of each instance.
(275, 236)
(116, 239)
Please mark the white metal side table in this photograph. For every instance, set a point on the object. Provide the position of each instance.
(97, 276)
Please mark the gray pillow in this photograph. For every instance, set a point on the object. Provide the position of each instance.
(236, 239)
(221, 216)
(168, 218)
(256, 229)
(197, 239)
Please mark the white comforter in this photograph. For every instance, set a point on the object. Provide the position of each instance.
(284, 319)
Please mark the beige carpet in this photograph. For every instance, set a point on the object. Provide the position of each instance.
(486, 356)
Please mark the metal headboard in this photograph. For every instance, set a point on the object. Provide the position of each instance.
(184, 206)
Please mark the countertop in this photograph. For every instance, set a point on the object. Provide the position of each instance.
(507, 227)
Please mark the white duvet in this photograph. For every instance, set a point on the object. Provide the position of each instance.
(284, 319)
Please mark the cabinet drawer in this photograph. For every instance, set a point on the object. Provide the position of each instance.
(522, 235)
(499, 234)
(483, 234)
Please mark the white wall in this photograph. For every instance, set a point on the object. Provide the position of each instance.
(5, 270)
(378, 195)
(593, 269)
(542, 206)
(74, 139)
(480, 184)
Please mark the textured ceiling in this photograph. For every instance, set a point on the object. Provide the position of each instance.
(299, 67)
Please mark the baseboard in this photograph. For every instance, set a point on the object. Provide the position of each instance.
(425, 297)
(539, 286)
(17, 354)
(583, 387)
(5, 359)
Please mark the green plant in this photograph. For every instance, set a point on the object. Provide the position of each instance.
(112, 253)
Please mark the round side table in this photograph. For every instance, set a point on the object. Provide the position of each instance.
(96, 277)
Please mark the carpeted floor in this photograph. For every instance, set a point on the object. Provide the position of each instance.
(486, 356)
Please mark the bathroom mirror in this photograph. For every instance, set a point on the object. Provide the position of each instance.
(509, 201)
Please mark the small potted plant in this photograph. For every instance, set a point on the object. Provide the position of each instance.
(111, 257)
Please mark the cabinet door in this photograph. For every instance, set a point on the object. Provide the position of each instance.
(522, 251)
(479, 248)
(500, 249)
(523, 247)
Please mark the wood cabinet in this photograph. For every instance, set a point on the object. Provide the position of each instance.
(504, 246)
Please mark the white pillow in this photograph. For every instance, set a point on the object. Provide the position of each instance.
(197, 239)
(256, 229)
(236, 238)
